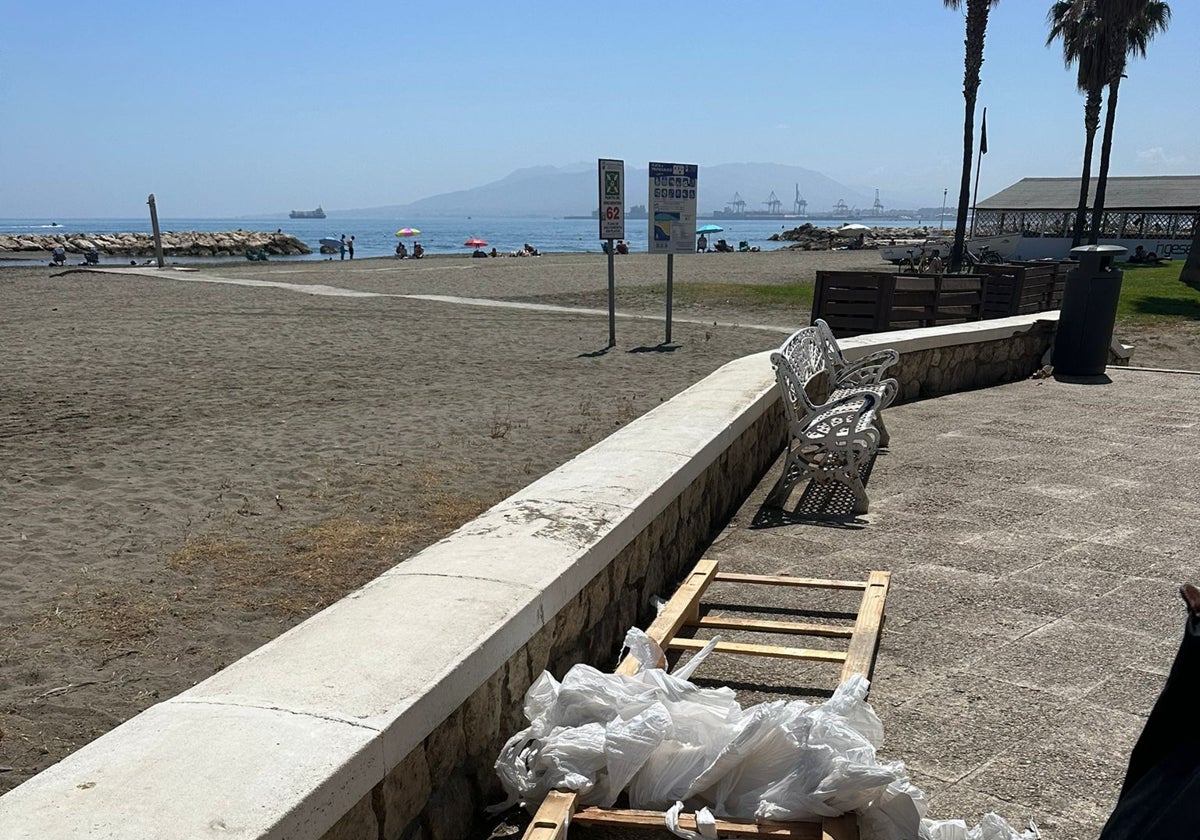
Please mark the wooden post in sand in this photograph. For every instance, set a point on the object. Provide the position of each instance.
(158, 254)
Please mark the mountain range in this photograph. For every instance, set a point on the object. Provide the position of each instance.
(572, 191)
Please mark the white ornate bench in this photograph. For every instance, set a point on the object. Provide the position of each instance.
(834, 435)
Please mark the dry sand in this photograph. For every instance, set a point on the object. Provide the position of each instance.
(191, 467)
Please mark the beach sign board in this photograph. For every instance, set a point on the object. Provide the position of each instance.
(612, 198)
(672, 208)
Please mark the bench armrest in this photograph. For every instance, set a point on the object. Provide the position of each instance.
(868, 369)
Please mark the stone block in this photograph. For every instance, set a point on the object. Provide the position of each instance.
(359, 823)
(450, 813)
(405, 790)
(443, 751)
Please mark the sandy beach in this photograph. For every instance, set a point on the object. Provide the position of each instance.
(192, 463)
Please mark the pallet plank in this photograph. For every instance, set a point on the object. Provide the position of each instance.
(807, 654)
(782, 580)
(861, 653)
(767, 626)
(725, 826)
(683, 607)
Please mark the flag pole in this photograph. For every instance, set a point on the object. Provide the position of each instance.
(978, 164)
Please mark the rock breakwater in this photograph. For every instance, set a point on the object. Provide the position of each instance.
(810, 238)
(175, 244)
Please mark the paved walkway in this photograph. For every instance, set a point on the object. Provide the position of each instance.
(1037, 534)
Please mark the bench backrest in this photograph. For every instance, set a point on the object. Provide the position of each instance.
(802, 371)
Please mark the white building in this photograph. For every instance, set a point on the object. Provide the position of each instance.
(1159, 213)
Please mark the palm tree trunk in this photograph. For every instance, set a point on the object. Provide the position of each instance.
(1091, 122)
(977, 16)
(1105, 154)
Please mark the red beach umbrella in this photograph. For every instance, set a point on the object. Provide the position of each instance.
(475, 243)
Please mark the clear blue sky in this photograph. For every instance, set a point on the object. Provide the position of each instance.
(224, 108)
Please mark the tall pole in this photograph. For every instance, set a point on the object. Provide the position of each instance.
(942, 223)
(158, 254)
(670, 291)
(612, 298)
(978, 164)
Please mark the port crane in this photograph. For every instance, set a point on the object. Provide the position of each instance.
(799, 206)
(737, 205)
(878, 206)
(774, 205)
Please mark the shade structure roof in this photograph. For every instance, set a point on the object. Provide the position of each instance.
(1159, 192)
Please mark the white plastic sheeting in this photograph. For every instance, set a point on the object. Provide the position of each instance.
(665, 740)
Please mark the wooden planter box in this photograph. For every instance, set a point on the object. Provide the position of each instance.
(858, 302)
(1020, 288)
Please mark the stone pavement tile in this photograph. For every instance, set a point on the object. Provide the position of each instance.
(990, 623)
(1066, 657)
(1063, 574)
(961, 802)
(1145, 605)
(1081, 520)
(1110, 558)
(1009, 510)
(1072, 767)
(894, 684)
(933, 647)
(1132, 689)
(1175, 571)
(1025, 547)
(783, 546)
(1025, 596)
(963, 722)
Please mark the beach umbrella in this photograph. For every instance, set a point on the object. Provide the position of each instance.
(407, 232)
(709, 229)
(853, 229)
(475, 243)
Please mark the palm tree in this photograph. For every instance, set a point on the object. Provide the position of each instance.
(1129, 26)
(977, 18)
(1078, 24)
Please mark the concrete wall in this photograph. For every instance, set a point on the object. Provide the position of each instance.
(381, 716)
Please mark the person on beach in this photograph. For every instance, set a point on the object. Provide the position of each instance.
(401, 250)
(702, 243)
(622, 246)
(350, 247)
(59, 256)
(342, 246)
(418, 251)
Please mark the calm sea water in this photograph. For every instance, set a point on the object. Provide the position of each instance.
(377, 237)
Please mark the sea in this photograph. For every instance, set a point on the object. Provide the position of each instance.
(375, 237)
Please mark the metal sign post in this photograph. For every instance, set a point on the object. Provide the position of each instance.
(158, 254)
(612, 226)
(672, 218)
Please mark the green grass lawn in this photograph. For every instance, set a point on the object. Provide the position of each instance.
(1149, 294)
(1155, 293)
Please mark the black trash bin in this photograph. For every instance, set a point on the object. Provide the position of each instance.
(1089, 311)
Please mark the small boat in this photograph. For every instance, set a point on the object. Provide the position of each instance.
(1005, 245)
(330, 242)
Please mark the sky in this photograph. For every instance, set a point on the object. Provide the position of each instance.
(237, 108)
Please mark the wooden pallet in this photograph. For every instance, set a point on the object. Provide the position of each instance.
(560, 808)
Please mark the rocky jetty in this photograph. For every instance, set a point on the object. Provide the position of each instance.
(175, 243)
(810, 238)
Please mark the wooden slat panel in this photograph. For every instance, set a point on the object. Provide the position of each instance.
(861, 653)
(552, 817)
(736, 828)
(743, 649)
(753, 625)
(683, 607)
(782, 580)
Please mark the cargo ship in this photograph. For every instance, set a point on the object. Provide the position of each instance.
(307, 214)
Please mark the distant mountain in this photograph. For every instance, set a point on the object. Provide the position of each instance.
(572, 191)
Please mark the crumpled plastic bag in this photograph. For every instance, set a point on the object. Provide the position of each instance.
(670, 744)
